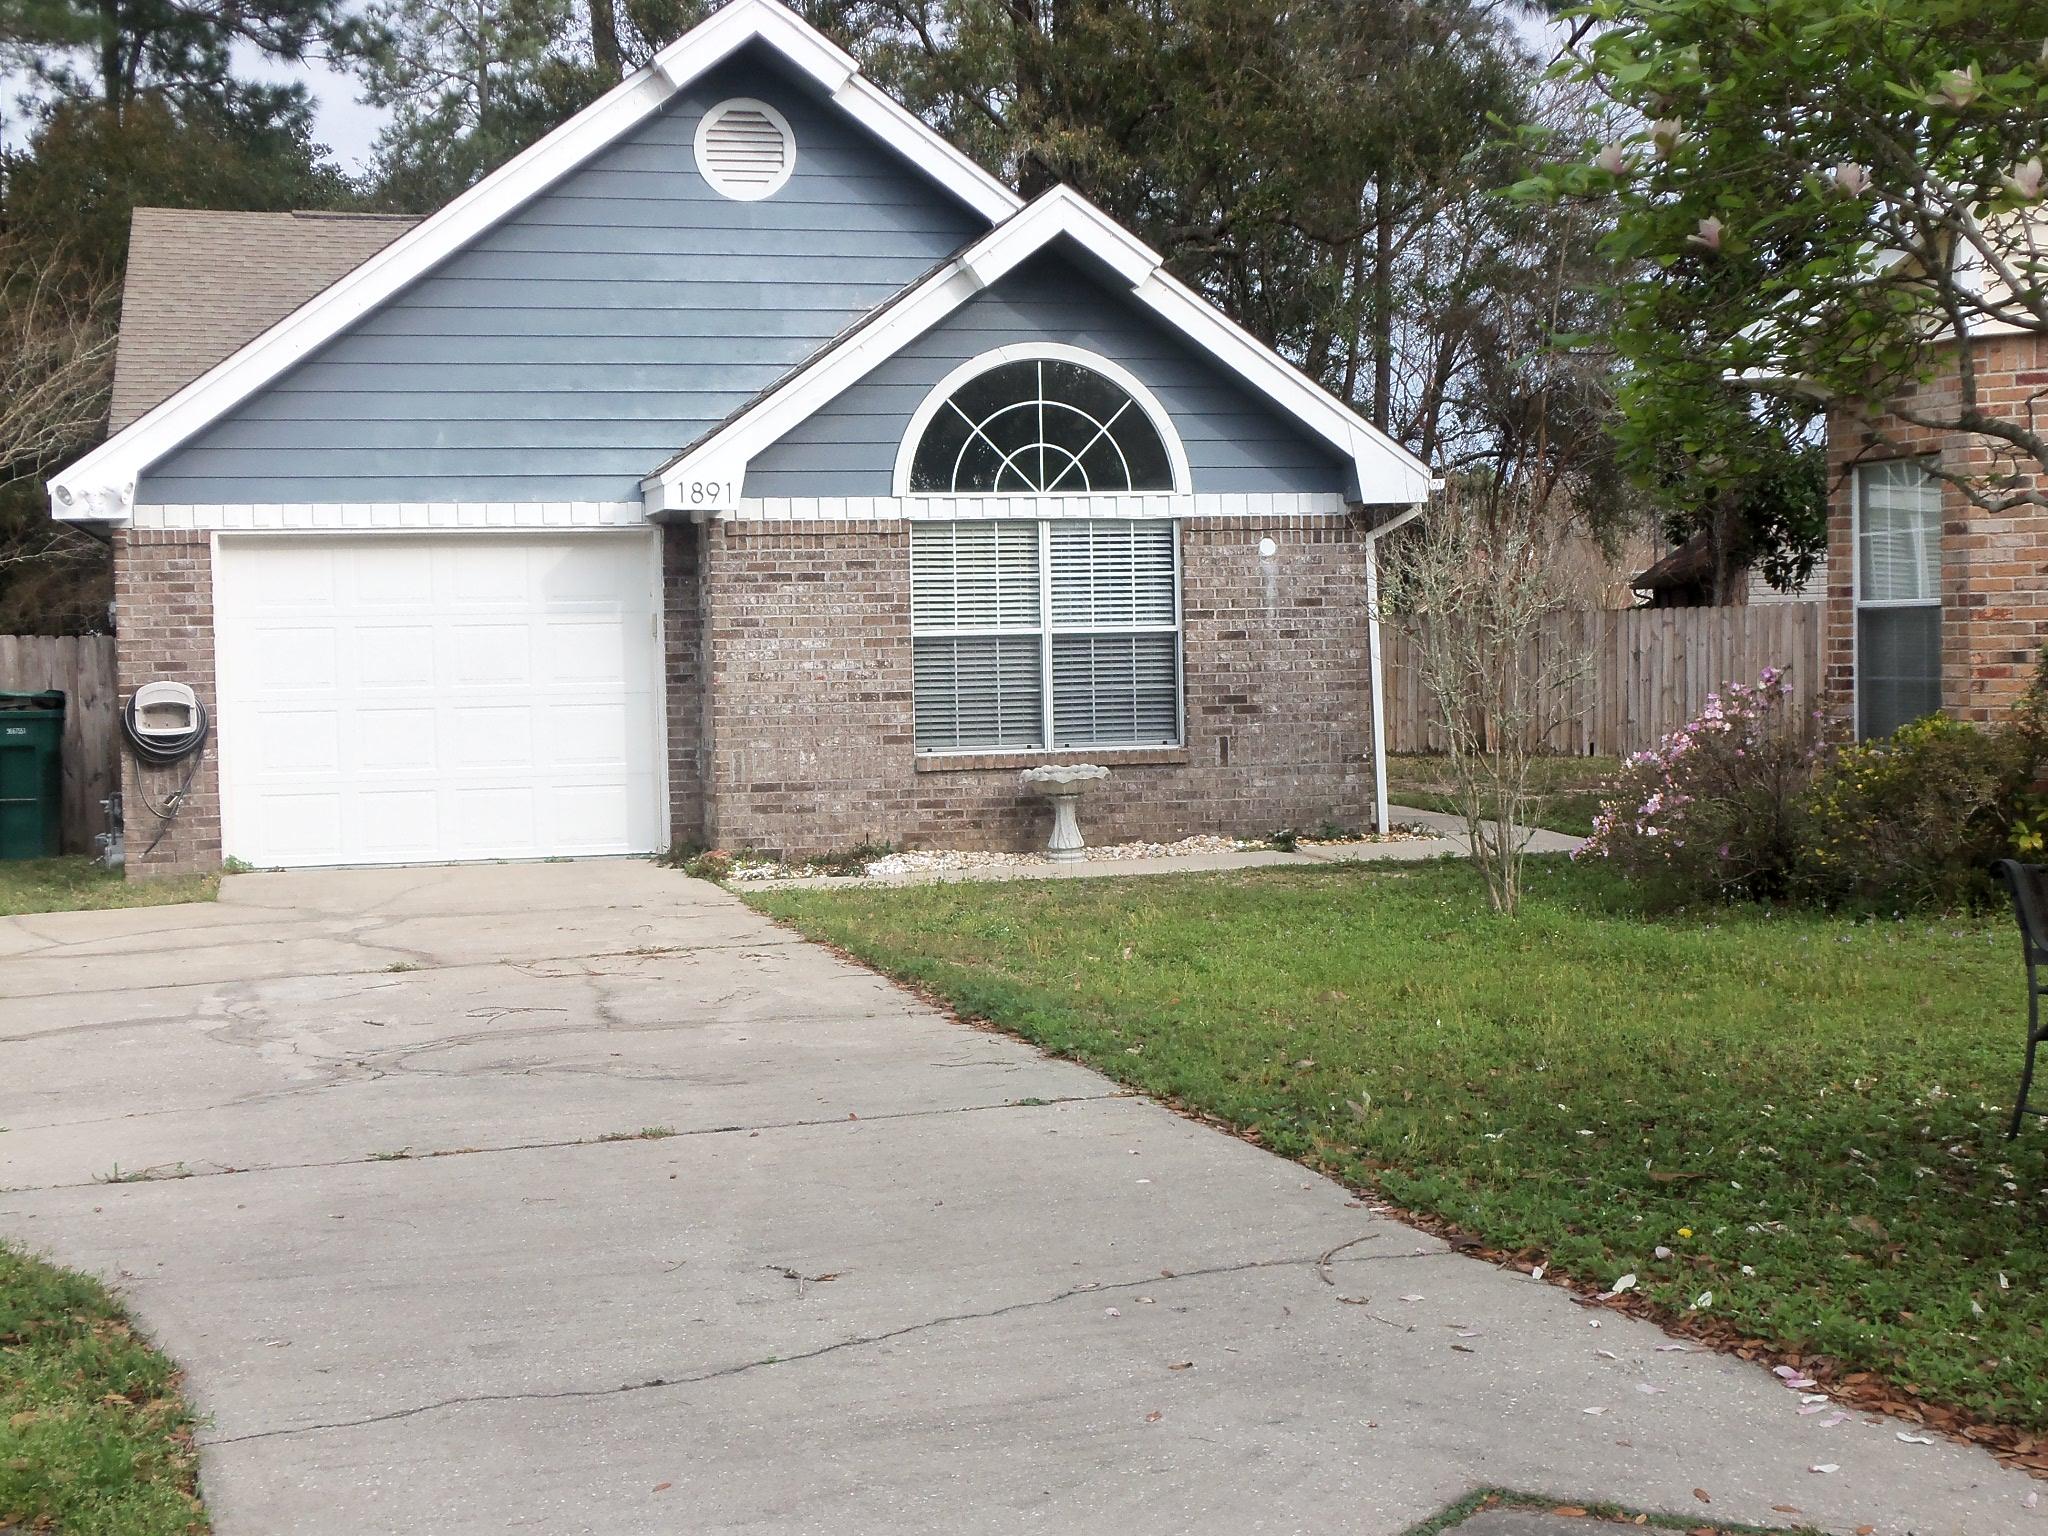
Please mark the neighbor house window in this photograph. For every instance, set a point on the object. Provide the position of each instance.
(1035, 635)
(1898, 596)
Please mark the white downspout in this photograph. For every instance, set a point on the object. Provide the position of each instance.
(1379, 681)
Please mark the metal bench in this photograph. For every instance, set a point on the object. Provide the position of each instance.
(2029, 886)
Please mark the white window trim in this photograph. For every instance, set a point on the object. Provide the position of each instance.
(1037, 352)
(744, 194)
(1046, 633)
(1857, 604)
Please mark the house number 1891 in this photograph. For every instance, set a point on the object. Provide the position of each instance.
(711, 493)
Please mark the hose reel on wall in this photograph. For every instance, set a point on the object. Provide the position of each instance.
(165, 725)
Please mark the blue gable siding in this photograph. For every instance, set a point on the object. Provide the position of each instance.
(581, 342)
(1235, 441)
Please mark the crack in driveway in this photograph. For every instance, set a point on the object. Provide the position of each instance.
(608, 1138)
(858, 1341)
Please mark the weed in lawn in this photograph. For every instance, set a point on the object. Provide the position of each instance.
(1800, 1114)
(120, 1175)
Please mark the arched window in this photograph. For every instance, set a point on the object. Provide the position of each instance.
(1043, 425)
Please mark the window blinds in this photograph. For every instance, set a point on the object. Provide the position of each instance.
(997, 605)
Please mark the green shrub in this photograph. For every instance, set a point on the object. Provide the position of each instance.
(1914, 819)
(715, 864)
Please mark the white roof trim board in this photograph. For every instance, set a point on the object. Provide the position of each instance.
(101, 486)
(708, 477)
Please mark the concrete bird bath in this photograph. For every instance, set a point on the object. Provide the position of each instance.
(1063, 784)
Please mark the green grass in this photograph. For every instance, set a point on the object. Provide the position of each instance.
(81, 884)
(1566, 790)
(95, 1439)
(1808, 1111)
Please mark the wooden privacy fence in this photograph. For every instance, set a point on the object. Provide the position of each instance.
(82, 666)
(1652, 669)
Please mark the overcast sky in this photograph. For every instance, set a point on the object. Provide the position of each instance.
(341, 120)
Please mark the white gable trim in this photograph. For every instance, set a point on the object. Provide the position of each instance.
(1116, 373)
(101, 486)
(710, 477)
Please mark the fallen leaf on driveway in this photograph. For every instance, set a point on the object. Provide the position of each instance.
(1182, 1365)
(1154, 1416)
(1569, 1512)
(1702, 1496)
(663, 1487)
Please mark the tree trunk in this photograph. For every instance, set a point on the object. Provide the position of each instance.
(604, 38)
(1382, 306)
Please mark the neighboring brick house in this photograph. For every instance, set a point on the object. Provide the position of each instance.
(739, 465)
(1932, 602)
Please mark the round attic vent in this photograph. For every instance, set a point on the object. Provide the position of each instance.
(745, 149)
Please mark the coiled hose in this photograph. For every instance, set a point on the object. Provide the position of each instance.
(159, 751)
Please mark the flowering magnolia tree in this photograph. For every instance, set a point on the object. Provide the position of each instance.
(1816, 198)
(1713, 809)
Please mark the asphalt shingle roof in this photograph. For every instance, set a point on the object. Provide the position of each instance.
(201, 283)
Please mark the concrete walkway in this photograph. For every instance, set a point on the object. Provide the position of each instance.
(867, 1270)
(1449, 842)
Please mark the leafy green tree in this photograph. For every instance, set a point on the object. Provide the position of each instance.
(1811, 201)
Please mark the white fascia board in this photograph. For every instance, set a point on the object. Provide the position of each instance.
(711, 476)
(1062, 212)
(101, 486)
(1387, 474)
(901, 129)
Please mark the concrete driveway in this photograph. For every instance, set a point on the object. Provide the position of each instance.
(851, 1268)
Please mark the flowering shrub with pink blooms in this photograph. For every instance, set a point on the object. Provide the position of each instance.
(1714, 811)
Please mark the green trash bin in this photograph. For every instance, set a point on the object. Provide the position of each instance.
(31, 774)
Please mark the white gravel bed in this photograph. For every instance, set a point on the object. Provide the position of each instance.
(946, 860)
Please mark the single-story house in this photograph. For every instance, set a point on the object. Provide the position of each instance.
(1932, 602)
(740, 465)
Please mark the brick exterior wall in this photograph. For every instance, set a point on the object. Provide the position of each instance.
(1994, 569)
(682, 596)
(163, 617)
(809, 746)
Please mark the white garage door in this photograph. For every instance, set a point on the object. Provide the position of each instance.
(416, 698)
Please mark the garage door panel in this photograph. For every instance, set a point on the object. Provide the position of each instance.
(395, 655)
(491, 736)
(438, 697)
(483, 655)
(395, 740)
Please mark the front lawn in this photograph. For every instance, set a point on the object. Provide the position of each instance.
(79, 884)
(94, 1437)
(1565, 792)
(1806, 1112)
